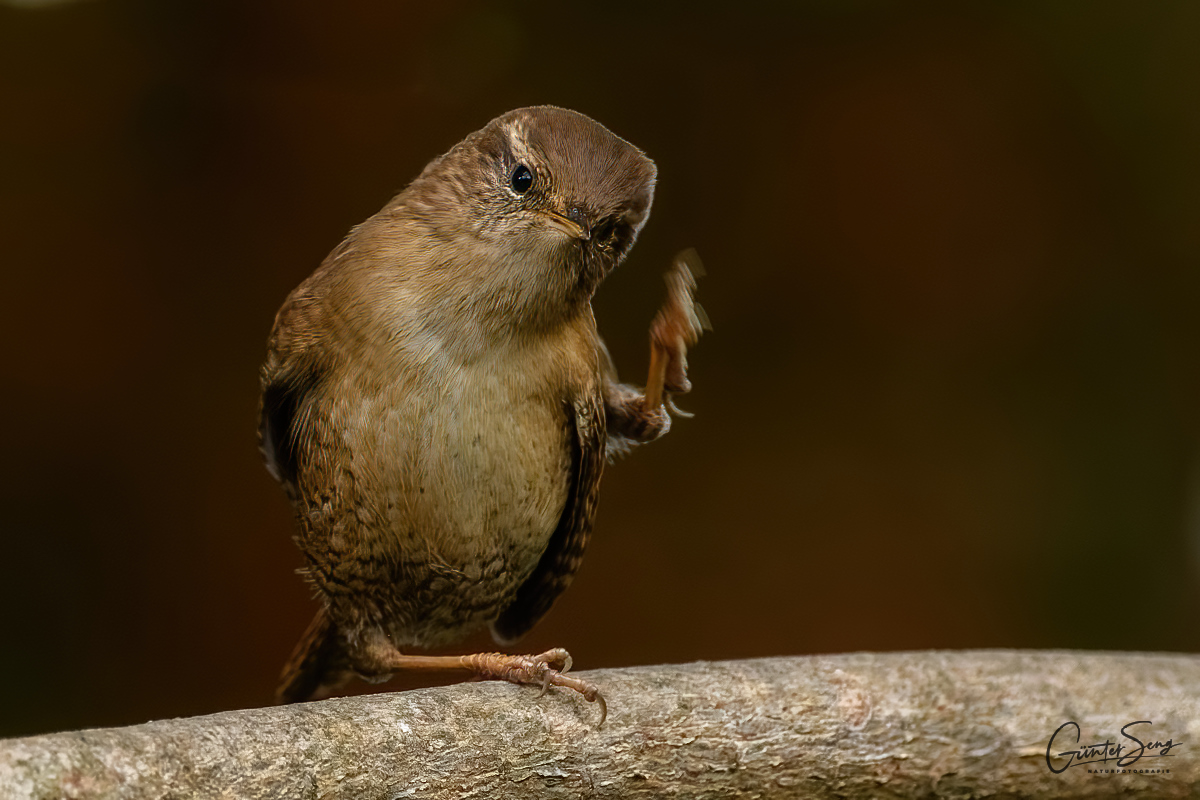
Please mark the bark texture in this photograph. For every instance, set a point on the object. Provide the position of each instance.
(922, 724)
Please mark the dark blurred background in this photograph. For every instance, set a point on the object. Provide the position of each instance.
(951, 399)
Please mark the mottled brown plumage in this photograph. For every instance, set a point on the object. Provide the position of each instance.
(438, 405)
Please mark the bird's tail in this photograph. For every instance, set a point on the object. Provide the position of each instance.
(317, 666)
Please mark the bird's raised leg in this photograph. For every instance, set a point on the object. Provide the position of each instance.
(676, 327)
(646, 415)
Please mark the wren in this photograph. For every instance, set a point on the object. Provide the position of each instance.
(439, 407)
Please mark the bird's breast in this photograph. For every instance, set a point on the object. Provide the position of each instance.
(462, 473)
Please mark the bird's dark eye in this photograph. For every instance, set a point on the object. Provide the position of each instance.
(522, 179)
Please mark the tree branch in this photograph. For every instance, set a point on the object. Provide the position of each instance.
(962, 724)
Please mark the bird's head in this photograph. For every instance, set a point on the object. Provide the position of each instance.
(547, 196)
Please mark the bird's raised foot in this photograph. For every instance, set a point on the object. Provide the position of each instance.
(546, 669)
(676, 327)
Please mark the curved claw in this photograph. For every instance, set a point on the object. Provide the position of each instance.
(590, 692)
(599, 698)
(555, 656)
(558, 677)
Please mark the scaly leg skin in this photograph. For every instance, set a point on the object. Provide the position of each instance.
(545, 670)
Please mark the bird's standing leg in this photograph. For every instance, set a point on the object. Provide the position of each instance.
(643, 416)
(380, 657)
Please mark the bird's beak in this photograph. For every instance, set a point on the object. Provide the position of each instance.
(567, 225)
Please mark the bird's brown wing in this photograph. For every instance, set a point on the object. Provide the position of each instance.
(282, 423)
(294, 369)
(563, 555)
(287, 419)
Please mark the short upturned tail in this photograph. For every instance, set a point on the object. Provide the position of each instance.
(317, 666)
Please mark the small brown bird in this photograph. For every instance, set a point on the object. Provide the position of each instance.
(439, 407)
